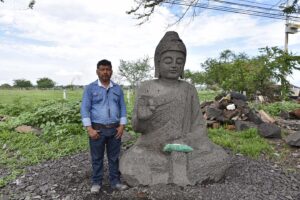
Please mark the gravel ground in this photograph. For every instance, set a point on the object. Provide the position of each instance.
(69, 179)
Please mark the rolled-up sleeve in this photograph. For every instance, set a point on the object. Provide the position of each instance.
(86, 107)
(123, 112)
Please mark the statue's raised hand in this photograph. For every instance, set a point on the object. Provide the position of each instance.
(146, 107)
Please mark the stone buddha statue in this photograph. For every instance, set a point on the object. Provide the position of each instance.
(167, 111)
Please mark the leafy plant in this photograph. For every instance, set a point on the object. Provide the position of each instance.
(51, 131)
(16, 108)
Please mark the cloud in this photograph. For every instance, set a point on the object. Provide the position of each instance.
(65, 39)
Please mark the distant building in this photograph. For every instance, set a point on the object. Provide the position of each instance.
(295, 91)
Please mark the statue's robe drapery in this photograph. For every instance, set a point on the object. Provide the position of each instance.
(175, 118)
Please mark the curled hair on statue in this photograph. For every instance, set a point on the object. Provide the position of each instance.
(170, 42)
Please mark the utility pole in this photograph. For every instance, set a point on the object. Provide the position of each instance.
(286, 41)
(290, 28)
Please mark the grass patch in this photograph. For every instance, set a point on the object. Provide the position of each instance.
(20, 150)
(207, 95)
(247, 142)
(276, 108)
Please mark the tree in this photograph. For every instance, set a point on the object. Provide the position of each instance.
(135, 71)
(194, 77)
(5, 86)
(278, 64)
(259, 73)
(45, 83)
(30, 4)
(22, 83)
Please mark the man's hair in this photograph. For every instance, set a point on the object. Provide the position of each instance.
(104, 62)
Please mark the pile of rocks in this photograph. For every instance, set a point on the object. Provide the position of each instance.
(233, 112)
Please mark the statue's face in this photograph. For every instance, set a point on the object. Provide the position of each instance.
(171, 64)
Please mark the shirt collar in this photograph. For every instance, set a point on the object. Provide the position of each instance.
(111, 84)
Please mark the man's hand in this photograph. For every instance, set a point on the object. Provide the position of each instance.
(94, 135)
(120, 130)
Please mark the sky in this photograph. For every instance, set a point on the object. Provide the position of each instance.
(63, 40)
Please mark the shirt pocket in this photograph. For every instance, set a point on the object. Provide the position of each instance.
(96, 97)
(116, 96)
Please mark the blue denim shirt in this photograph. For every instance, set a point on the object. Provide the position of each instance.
(101, 105)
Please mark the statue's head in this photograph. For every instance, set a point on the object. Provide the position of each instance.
(170, 56)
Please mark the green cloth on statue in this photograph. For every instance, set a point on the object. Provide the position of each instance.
(177, 147)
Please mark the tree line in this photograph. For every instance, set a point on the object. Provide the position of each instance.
(41, 83)
(264, 73)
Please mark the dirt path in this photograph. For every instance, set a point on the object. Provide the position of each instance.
(69, 179)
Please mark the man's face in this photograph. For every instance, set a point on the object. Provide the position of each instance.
(171, 64)
(104, 73)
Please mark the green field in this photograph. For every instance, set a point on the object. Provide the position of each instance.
(37, 96)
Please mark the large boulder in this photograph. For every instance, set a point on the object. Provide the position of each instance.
(269, 130)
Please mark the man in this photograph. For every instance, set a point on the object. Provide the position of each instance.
(103, 112)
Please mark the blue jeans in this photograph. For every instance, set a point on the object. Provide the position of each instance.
(97, 147)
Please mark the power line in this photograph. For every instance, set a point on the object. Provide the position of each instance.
(258, 3)
(240, 9)
(245, 5)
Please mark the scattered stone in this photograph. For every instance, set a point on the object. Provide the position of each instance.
(3, 118)
(239, 103)
(296, 155)
(289, 124)
(30, 188)
(213, 113)
(229, 114)
(216, 125)
(295, 113)
(293, 139)
(243, 125)
(230, 127)
(236, 95)
(253, 117)
(265, 117)
(27, 198)
(230, 107)
(261, 99)
(284, 115)
(27, 129)
(268, 130)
